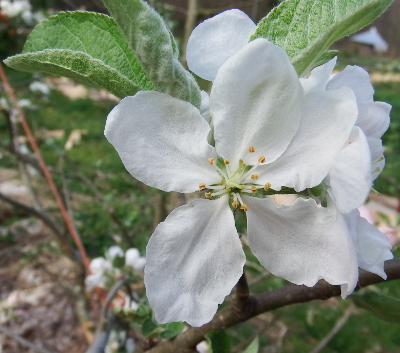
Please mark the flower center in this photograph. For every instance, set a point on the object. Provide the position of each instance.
(242, 180)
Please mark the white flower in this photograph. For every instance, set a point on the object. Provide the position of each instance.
(358, 163)
(133, 259)
(41, 87)
(372, 247)
(99, 267)
(113, 252)
(262, 120)
(361, 159)
(215, 40)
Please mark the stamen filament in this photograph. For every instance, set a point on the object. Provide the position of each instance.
(379, 159)
(220, 192)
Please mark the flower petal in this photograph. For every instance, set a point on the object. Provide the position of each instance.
(256, 100)
(350, 174)
(302, 243)
(194, 259)
(357, 79)
(162, 141)
(327, 120)
(378, 119)
(373, 247)
(319, 77)
(215, 40)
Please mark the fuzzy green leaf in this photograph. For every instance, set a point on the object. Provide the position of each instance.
(86, 46)
(218, 342)
(253, 348)
(306, 28)
(382, 306)
(172, 329)
(152, 43)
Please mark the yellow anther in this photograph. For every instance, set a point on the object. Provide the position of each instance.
(235, 204)
(211, 161)
(227, 161)
(241, 187)
(377, 169)
(251, 149)
(254, 176)
(244, 208)
(267, 186)
(202, 186)
(228, 190)
(207, 195)
(261, 159)
(222, 182)
(253, 188)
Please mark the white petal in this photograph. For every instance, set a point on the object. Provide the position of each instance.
(215, 40)
(256, 100)
(357, 79)
(99, 265)
(113, 252)
(302, 243)
(194, 259)
(378, 119)
(373, 247)
(350, 174)
(319, 77)
(162, 141)
(327, 120)
(131, 256)
(376, 149)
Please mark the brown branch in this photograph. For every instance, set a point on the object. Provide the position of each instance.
(4, 330)
(242, 294)
(32, 141)
(45, 219)
(261, 303)
(107, 321)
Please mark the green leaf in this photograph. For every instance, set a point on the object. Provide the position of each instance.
(86, 46)
(218, 342)
(172, 329)
(382, 306)
(152, 43)
(306, 28)
(253, 348)
(151, 329)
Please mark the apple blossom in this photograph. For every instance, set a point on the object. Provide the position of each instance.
(267, 135)
(133, 259)
(361, 160)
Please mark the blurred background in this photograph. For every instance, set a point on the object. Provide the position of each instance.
(43, 295)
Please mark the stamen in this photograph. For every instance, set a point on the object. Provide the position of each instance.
(377, 169)
(220, 192)
(240, 199)
(254, 176)
(211, 161)
(261, 159)
(202, 186)
(244, 207)
(217, 187)
(207, 195)
(251, 149)
(253, 188)
(221, 172)
(379, 159)
(227, 161)
(267, 186)
(376, 192)
(235, 204)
